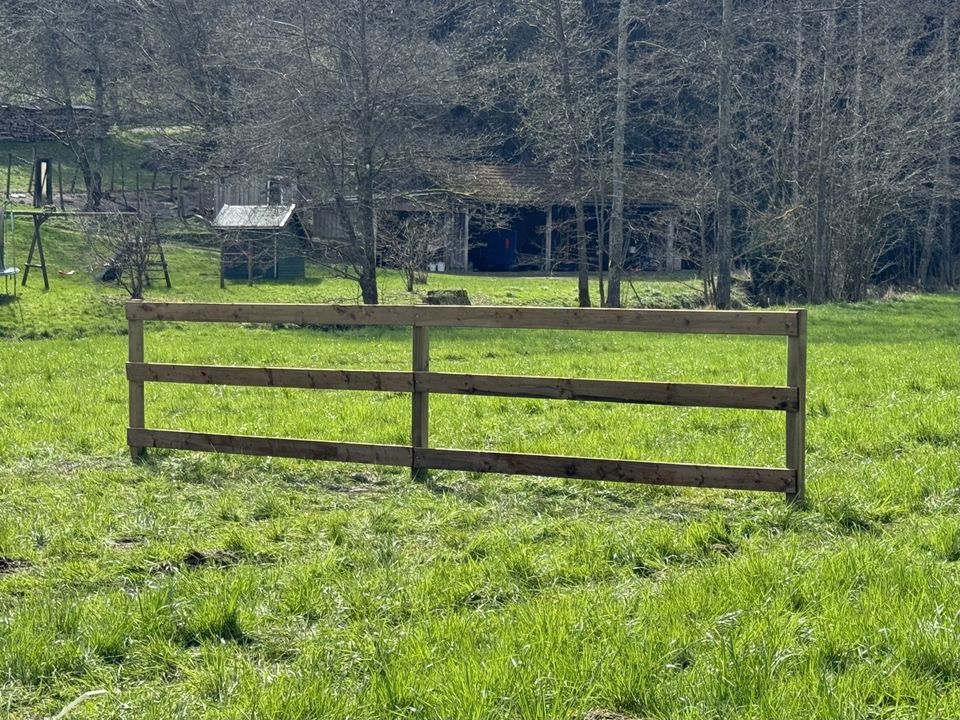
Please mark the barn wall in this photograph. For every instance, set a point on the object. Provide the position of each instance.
(290, 263)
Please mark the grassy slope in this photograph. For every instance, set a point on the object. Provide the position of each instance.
(221, 587)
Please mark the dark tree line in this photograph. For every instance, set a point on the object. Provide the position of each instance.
(805, 145)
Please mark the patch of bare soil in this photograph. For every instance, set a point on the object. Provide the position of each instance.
(362, 482)
(12, 565)
(125, 542)
(607, 715)
(216, 558)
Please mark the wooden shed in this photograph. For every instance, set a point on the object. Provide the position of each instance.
(261, 242)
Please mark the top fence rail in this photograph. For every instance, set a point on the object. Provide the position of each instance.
(716, 322)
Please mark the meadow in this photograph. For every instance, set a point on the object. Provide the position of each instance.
(196, 586)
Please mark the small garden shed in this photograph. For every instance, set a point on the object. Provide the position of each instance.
(261, 242)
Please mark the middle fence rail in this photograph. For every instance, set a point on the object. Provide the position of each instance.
(420, 382)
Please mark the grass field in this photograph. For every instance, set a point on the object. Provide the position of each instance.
(214, 587)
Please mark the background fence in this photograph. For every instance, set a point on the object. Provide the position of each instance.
(420, 382)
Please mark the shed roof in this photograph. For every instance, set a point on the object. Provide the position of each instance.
(506, 184)
(529, 184)
(253, 217)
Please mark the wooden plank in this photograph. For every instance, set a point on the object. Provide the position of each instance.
(274, 313)
(135, 388)
(628, 471)
(387, 381)
(274, 446)
(796, 419)
(420, 409)
(667, 321)
(751, 397)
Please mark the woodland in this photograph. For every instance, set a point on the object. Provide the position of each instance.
(805, 146)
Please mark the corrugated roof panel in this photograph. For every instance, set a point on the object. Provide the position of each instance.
(253, 217)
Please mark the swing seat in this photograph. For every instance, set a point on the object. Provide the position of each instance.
(6, 273)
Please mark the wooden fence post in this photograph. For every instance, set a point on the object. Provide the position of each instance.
(135, 355)
(33, 167)
(420, 423)
(60, 184)
(796, 420)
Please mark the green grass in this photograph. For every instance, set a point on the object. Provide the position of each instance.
(75, 308)
(216, 587)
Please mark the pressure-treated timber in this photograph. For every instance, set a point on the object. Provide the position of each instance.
(628, 471)
(137, 405)
(36, 245)
(385, 381)
(668, 321)
(278, 447)
(420, 382)
(748, 397)
(420, 407)
(796, 420)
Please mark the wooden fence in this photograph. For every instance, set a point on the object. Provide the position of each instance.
(420, 382)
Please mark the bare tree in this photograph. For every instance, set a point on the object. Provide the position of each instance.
(550, 72)
(124, 247)
(353, 94)
(619, 138)
(945, 133)
(71, 57)
(410, 242)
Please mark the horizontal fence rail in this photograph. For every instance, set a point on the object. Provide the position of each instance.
(722, 322)
(420, 382)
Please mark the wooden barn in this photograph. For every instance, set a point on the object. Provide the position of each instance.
(517, 218)
(261, 242)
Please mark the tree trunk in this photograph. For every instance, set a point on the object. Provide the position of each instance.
(795, 109)
(94, 186)
(619, 132)
(821, 258)
(946, 265)
(602, 230)
(856, 261)
(724, 162)
(583, 264)
(706, 271)
(368, 260)
(941, 196)
(88, 151)
(928, 235)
